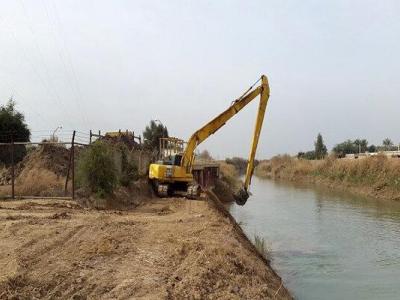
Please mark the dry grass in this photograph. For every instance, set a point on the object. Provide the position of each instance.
(285, 167)
(371, 173)
(261, 246)
(228, 182)
(39, 182)
(229, 174)
(378, 171)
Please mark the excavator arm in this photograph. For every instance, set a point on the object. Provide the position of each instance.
(211, 127)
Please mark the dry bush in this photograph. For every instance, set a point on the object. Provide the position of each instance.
(376, 172)
(39, 182)
(229, 174)
(285, 167)
(228, 182)
(264, 169)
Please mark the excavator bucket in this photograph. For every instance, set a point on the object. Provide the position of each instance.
(241, 196)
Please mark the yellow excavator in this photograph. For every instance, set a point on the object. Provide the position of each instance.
(175, 174)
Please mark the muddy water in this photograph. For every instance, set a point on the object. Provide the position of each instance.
(326, 245)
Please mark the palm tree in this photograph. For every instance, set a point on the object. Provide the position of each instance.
(387, 144)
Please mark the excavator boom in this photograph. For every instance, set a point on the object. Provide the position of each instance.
(219, 121)
(165, 176)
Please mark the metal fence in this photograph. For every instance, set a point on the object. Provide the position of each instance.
(69, 143)
(77, 139)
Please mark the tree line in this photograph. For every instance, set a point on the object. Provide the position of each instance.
(347, 147)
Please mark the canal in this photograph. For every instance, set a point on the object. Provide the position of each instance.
(326, 245)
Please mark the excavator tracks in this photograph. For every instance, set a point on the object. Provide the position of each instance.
(162, 190)
(193, 191)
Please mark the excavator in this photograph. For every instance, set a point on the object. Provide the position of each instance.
(175, 174)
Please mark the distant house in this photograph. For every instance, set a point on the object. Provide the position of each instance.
(391, 154)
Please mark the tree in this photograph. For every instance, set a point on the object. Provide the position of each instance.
(239, 163)
(352, 147)
(310, 155)
(387, 144)
(152, 134)
(320, 148)
(361, 145)
(372, 149)
(205, 155)
(12, 128)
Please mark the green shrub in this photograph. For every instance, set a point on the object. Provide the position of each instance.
(96, 169)
(129, 170)
(126, 167)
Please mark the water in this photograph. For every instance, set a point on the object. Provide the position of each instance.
(326, 245)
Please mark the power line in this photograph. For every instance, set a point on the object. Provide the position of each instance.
(32, 65)
(68, 56)
(63, 59)
(54, 91)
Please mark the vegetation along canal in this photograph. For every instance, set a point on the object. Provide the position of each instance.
(326, 245)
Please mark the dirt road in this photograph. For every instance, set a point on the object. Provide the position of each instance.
(165, 249)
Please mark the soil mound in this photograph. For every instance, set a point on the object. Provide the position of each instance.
(41, 173)
(50, 157)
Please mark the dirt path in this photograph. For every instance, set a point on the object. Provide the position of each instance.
(165, 249)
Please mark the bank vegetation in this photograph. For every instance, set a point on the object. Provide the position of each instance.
(377, 176)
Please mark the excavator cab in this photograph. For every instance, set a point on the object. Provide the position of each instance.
(171, 160)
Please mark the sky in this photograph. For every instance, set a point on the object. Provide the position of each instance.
(333, 68)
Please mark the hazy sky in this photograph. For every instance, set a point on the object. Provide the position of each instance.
(333, 67)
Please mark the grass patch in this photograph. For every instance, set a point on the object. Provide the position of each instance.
(261, 246)
(39, 182)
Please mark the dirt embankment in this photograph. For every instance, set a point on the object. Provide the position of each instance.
(42, 172)
(377, 177)
(164, 249)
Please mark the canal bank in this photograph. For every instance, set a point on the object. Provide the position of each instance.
(377, 176)
(325, 244)
(163, 249)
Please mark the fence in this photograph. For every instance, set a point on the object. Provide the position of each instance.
(77, 140)
(57, 153)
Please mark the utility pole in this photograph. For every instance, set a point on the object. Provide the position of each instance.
(12, 168)
(73, 164)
